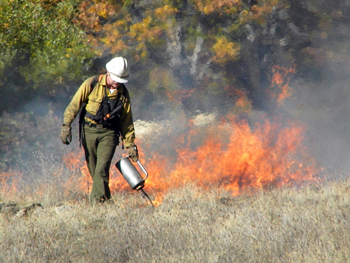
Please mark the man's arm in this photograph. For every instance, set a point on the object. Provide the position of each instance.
(78, 99)
(126, 122)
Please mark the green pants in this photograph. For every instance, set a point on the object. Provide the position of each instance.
(99, 146)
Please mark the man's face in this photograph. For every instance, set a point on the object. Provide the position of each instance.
(111, 83)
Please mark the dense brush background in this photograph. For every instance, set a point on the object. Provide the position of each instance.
(195, 63)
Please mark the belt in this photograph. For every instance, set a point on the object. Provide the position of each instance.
(98, 126)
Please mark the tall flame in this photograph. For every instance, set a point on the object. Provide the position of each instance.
(230, 154)
(250, 158)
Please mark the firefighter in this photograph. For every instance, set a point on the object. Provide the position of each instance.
(105, 117)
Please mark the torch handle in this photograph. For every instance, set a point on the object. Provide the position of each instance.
(143, 169)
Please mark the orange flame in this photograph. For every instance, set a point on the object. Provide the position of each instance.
(230, 154)
(75, 162)
(9, 181)
(281, 78)
(251, 159)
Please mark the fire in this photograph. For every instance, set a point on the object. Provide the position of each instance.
(267, 155)
(280, 78)
(75, 162)
(9, 181)
(230, 154)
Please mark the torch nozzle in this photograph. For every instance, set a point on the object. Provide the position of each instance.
(146, 195)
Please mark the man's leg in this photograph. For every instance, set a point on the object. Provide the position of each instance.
(99, 146)
(90, 142)
(105, 151)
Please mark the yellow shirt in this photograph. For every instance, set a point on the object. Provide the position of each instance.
(93, 100)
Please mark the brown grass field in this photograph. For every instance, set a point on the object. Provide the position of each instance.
(305, 224)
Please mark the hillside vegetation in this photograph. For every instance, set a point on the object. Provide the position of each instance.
(241, 117)
(185, 56)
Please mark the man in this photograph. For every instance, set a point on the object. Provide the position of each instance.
(106, 115)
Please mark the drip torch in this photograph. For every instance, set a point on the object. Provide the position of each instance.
(132, 176)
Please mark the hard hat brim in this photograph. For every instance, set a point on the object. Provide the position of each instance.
(118, 79)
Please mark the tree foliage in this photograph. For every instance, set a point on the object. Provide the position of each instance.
(204, 44)
(40, 46)
(196, 40)
(193, 54)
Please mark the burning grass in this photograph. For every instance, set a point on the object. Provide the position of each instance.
(271, 216)
(238, 189)
(310, 224)
(228, 154)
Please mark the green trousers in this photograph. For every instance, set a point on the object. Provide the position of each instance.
(99, 146)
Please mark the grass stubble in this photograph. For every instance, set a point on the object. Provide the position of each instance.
(309, 224)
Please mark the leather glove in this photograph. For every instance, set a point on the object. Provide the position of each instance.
(133, 153)
(66, 134)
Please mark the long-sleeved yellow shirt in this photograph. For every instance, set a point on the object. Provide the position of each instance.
(93, 99)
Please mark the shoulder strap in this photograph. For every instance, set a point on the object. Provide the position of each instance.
(95, 80)
(82, 112)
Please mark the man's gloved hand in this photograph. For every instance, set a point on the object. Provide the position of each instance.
(66, 134)
(133, 153)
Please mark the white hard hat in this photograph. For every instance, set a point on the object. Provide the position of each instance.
(118, 69)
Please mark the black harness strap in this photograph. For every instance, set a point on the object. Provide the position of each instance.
(108, 114)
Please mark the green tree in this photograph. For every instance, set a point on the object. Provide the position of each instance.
(41, 48)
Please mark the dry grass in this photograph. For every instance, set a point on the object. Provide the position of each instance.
(311, 224)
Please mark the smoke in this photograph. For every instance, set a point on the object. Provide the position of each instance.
(320, 89)
(323, 104)
(323, 95)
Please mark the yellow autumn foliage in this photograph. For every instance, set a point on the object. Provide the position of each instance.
(163, 13)
(145, 30)
(225, 50)
(102, 10)
(260, 12)
(140, 30)
(158, 18)
(210, 6)
(118, 46)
